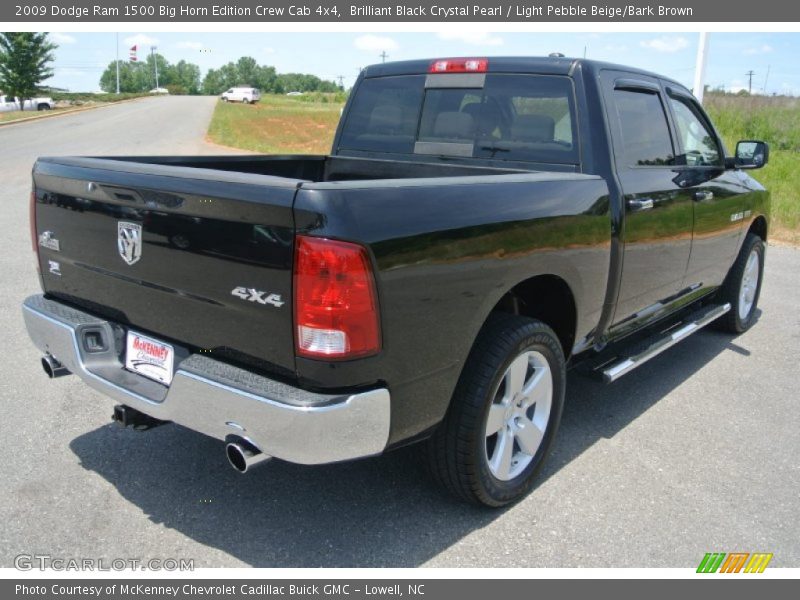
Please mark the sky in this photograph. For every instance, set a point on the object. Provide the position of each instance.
(82, 56)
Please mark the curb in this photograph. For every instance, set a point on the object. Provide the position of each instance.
(51, 114)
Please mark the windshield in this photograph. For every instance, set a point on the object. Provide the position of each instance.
(512, 117)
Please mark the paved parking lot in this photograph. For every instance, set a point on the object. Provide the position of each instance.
(697, 451)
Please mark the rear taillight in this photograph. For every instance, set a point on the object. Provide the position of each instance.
(459, 65)
(335, 304)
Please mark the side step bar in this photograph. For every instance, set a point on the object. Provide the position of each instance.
(657, 344)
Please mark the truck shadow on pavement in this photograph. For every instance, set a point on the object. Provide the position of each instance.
(379, 512)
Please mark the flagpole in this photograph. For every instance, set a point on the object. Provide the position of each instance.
(700, 67)
(117, 39)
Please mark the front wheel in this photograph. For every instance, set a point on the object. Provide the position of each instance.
(742, 287)
(504, 414)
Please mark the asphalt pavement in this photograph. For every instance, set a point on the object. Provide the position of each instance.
(697, 451)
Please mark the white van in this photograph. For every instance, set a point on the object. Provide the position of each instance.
(242, 94)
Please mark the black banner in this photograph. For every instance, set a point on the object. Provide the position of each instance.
(379, 589)
(332, 11)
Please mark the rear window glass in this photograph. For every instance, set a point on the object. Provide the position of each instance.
(384, 115)
(513, 117)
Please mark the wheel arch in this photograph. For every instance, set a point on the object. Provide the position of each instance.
(759, 227)
(547, 298)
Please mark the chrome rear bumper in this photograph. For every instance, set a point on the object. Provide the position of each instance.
(215, 398)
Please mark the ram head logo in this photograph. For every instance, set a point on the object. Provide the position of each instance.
(129, 241)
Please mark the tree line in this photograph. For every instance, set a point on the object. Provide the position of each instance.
(184, 77)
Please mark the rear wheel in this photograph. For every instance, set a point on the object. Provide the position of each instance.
(504, 413)
(742, 287)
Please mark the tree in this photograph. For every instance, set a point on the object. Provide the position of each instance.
(247, 72)
(213, 83)
(25, 59)
(184, 75)
(133, 78)
(140, 77)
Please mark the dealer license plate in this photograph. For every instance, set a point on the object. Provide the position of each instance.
(149, 357)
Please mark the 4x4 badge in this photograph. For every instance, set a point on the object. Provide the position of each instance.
(253, 295)
(129, 241)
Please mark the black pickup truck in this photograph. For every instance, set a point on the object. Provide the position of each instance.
(480, 226)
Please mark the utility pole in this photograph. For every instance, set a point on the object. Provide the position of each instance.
(341, 80)
(155, 61)
(384, 56)
(117, 61)
(749, 76)
(700, 67)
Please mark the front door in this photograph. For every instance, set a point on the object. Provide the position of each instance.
(716, 193)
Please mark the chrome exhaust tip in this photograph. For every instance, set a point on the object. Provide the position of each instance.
(243, 455)
(53, 368)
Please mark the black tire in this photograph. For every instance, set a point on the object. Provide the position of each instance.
(740, 318)
(43, 106)
(458, 451)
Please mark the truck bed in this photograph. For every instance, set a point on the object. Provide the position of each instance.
(218, 236)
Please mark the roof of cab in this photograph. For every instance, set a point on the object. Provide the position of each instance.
(542, 65)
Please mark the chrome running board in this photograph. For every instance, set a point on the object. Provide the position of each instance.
(655, 345)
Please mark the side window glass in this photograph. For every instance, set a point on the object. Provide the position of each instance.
(699, 144)
(646, 140)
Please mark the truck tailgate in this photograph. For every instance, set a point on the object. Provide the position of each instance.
(197, 257)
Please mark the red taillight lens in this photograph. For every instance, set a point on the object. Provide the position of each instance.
(459, 65)
(335, 304)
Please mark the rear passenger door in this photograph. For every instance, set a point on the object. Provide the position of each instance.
(657, 230)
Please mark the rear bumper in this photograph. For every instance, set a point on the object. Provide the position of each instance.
(215, 398)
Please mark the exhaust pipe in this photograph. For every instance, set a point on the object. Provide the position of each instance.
(53, 368)
(243, 455)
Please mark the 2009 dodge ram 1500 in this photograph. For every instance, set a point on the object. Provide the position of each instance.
(480, 225)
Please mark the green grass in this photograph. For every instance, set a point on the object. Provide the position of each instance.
(306, 124)
(16, 115)
(776, 120)
(278, 124)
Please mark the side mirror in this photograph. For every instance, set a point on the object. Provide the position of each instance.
(751, 154)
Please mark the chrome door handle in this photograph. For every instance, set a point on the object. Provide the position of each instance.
(703, 195)
(640, 203)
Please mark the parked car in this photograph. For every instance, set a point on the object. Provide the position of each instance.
(248, 95)
(159, 90)
(8, 103)
(294, 94)
(480, 226)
